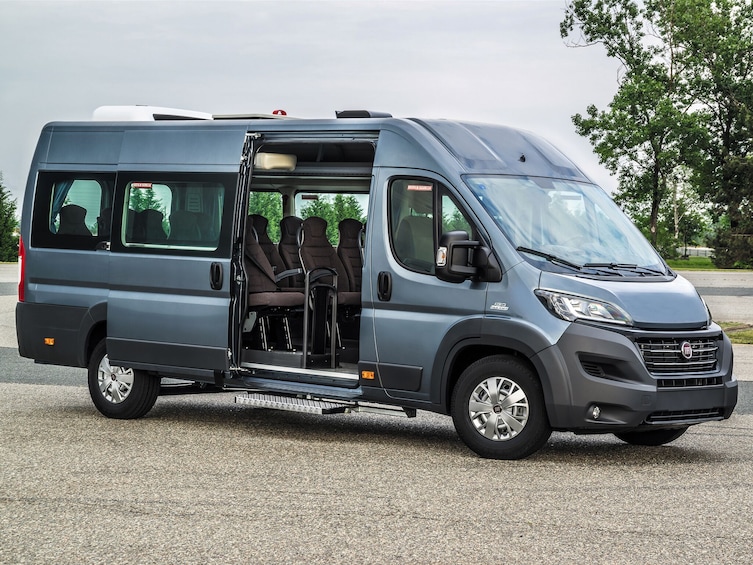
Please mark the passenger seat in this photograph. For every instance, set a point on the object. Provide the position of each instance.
(317, 252)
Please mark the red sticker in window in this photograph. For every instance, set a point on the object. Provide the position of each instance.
(141, 185)
(420, 187)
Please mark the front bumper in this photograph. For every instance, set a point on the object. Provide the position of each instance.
(592, 367)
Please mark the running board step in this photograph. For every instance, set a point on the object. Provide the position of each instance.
(312, 405)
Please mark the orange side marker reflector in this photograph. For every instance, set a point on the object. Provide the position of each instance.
(367, 375)
(49, 341)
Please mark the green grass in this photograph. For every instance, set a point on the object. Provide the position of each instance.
(691, 264)
(738, 333)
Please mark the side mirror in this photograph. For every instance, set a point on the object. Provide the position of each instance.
(459, 258)
(452, 261)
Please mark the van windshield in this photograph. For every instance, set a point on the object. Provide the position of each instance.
(566, 226)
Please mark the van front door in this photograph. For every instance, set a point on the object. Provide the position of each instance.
(411, 310)
(170, 300)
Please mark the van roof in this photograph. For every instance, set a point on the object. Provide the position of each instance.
(193, 139)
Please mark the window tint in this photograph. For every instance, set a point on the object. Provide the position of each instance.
(421, 210)
(173, 214)
(72, 211)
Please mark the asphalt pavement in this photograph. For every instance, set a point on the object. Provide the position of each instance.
(203, 480)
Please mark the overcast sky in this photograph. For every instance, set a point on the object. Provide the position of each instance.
(498, 61)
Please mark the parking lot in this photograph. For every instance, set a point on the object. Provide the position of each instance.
(202, 480)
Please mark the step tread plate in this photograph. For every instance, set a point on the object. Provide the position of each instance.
(292, 404)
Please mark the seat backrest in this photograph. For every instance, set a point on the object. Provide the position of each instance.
(349, 251)
(415, 239)
(104, 222)
(261, 277)
(73, 221)
(270, 249)
(288, 247)
(151, 225)
(184, 226)
(316, 251)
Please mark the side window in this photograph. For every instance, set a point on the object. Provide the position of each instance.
(72, 211)
(421, 210)
(453, 219)
(412, 223)
(334, 208)
(185, 213)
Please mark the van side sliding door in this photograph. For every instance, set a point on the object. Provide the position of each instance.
(170, 281)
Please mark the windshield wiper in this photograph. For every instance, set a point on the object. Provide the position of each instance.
(549, 257)
(625, 267)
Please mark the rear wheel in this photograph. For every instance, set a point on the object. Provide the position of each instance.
(651, 437)
(120, 392)
(498, 409)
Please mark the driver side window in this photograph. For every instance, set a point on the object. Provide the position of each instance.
(420, 211)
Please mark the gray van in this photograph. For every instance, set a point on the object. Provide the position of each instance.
(360, 263)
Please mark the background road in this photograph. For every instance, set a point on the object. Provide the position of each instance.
(202, 480)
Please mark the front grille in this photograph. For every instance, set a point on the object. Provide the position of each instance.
(684, 416)
(688, 382)
(664, 355)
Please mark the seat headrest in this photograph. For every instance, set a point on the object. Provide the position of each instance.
(259, 222)
(349, 229)
(289, 227)
(315, 231)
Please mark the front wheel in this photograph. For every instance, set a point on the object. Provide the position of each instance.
(120, 392)
(498, 409)
(651, 437)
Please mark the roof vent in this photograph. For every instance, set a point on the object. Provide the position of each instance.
(361, 114)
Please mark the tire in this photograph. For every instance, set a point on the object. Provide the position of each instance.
(498, 409)
(120, 392)
(652, 437)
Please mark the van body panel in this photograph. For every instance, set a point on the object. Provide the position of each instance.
(167, 305)
(409, 327)
(189, 147)
(71, 146)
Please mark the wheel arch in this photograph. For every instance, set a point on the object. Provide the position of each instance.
(93, 330)
(522, 341)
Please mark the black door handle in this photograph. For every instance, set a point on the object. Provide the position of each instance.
(384, 286)
(215, 276)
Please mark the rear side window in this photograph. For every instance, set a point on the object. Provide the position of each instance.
(72, 211)
(175, 214)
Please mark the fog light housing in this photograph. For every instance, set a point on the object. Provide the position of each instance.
(595, 412)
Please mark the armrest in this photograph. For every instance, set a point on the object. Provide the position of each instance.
(287, 274)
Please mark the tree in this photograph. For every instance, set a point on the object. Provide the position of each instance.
(8, 225)
(718, 40)
(684, 100)
(334, 210)
(648, 130)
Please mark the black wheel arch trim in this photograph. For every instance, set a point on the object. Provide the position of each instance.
(95, 317)
(499, 336)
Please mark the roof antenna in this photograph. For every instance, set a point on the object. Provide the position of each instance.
(522, 158)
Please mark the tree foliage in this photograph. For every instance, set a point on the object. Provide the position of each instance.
(333, 210)
(8, 225)
(683, 103)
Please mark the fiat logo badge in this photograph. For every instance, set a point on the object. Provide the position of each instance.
(686, 349)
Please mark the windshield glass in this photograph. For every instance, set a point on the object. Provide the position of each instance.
(565, 224)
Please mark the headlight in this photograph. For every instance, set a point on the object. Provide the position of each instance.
(570, 307)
